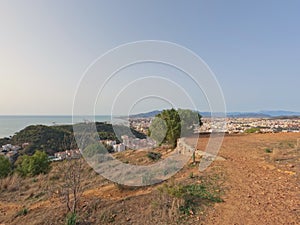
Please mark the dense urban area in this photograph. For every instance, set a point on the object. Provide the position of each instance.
(233, 125)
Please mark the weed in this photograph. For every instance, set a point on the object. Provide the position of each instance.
(154, 156)
(268, 150)
(71, 219)
(22, 212)
(192, 165)
(189, 198)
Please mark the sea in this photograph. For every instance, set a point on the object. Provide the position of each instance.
(9, 125)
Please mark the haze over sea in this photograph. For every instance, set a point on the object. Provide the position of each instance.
(9, 125)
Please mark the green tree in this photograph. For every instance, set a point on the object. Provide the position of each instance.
(158, 130)
(33, 165)
(172, 124)
(22, 165)
(5, 166)
(188, 119)
(165, 128)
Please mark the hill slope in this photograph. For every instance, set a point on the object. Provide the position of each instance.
(52, 139)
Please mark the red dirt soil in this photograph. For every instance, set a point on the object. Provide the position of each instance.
(261, 188)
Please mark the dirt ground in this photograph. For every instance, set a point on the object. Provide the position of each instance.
(260, 183)
(262, 187)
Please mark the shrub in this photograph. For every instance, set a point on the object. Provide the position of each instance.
(154, 156)
(268, 150)
(11, 183)
(5, 166)
(33, 165)
(191, 196)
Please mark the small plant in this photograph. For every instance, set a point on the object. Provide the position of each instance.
(192, 165)
(191, 175)
(189, 198)
(22, 212)
(154, 156)
(268, 150)
(71, 219)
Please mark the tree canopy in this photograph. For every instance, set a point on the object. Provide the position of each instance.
(33, 165)
(171, 124)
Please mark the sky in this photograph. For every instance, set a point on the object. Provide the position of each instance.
(252, 47)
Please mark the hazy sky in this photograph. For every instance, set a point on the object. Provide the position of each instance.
(253, 48)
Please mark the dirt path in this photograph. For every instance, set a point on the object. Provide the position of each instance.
(259, 191)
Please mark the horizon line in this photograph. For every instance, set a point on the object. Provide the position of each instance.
(235, 111)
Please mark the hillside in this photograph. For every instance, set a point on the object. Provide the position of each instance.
(258, 184)
(57, 138)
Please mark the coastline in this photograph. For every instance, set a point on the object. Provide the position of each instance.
(10, 124)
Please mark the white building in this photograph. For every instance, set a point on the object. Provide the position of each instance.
(119, 147)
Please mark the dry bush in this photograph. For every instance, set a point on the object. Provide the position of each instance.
(11, 183)
(166, 207)
(66, 183)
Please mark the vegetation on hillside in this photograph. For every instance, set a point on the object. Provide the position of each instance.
(51, 139)
(183, 199)
(252, 130)
(171, 124)
(187, 198)
(4, 141)
(5, 166)
(33, 165)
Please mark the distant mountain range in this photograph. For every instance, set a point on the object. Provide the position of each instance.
(260, 114)
(146, 115)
